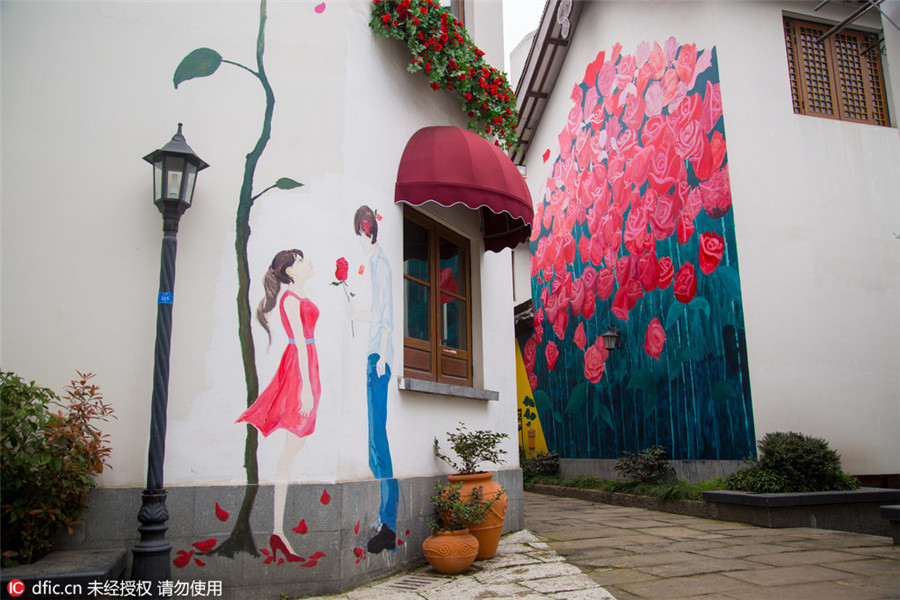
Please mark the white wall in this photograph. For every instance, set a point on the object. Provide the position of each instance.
(87, 91)
(816, 208)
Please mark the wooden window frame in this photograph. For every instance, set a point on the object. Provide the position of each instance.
(813, 100)
(430, 360)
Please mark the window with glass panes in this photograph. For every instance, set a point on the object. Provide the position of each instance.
(437, 331)
(839, 78)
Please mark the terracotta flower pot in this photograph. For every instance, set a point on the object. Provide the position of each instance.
(488, 531)
(450, 552)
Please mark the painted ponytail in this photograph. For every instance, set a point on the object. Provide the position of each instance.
(275, 276)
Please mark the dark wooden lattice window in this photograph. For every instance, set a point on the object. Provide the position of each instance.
(839, 78)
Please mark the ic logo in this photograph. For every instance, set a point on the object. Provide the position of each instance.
(15, 587)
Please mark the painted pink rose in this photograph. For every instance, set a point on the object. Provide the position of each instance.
(533, 381)
(685, 228)
(595, 360)
(584, 248)
(637, 232)
(712, 107)
(654, 339)
(634, 292)
(648, 272)
(689, 140)
(633, 115)
(606, 281)
(561, 323)
(657, 132)
(538, 334)
(686, 61)
(551, 307)
(663, 220)
(627, 143)
(666, 271)
(654, 99)
(638, 167)
(664, 169)
(574, 120)
(598, 249)
(685, 285)
(687, 112)
(551, 354)
(579, 337)
(716, 194)
(589, 278)
(702, 160)
(576, 297)
(529, 354)
(712, 247)
(657, 61)
(623, 269)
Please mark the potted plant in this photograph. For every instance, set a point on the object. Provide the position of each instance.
(472, 448)
(451, 549)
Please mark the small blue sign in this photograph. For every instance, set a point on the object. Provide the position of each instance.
(165, 298)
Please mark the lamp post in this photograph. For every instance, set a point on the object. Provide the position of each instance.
(612, 338)
(175, 168)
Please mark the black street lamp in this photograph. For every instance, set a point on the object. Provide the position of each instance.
(175, 168)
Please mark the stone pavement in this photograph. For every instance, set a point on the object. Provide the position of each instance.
(579, 550)
(639, 553)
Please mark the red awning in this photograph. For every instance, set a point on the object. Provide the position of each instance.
(449, 165)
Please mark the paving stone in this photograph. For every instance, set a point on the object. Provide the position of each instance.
(560, 584)
(541, 571)
(878, 566)
(804, 557)
(748, 551)
(774, 576)
(698, 567)
(684, 587)
(681, 533)
(594, 593)
(807, 591)
(642, 560)
(614, 577)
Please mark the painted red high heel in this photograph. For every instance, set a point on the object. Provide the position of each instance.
(276, 543)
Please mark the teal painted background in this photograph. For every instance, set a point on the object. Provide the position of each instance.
(635, 230)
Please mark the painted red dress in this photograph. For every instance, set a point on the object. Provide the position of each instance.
(278, 407)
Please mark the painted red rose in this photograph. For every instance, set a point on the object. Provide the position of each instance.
(634, 111)
(666, 272)
(529, 354)
(551, 354)
(595, 360)
(341, 268)
(620, 304)
(623, 269)
(654, 339)
(590, 298)
(584, 248)
(551, 307)
(648, 272)
(538, 334)
(689, 140)
(639, 166)
(637, 231)
(685, 285)
(712, 247)
(712, 107)
(561, 323)
(687, 112)
(702, 160)
(579, 337)
(716, 194)
(533, 381)
(606, 281)
(657, 132)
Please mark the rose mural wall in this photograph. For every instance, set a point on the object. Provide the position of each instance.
(635, 230)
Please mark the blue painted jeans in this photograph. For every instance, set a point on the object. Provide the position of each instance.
(379, 450)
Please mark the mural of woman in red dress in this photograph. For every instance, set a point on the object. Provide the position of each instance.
(291, 399)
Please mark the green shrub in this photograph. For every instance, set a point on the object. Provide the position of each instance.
(647, 466)
(455, 513)
(472, 448)
(792, 462)
(542, 463)
(51, 451)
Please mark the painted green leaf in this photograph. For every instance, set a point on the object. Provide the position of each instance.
(675, 311)
(285, 183)
(722, 392)
(699, 304)
(557, 417)
(542, 400)
(642, 379)
(730, 280)
(649, 404)
(606, 415)
(528, 401)
(577, 398)
(202, 62)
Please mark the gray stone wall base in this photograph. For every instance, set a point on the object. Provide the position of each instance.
(338, 518)
(692, 470)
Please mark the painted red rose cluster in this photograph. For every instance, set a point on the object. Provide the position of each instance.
(639, 158)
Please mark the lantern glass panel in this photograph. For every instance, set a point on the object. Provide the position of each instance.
(157, 179)
(174, 175)
(191, 173)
